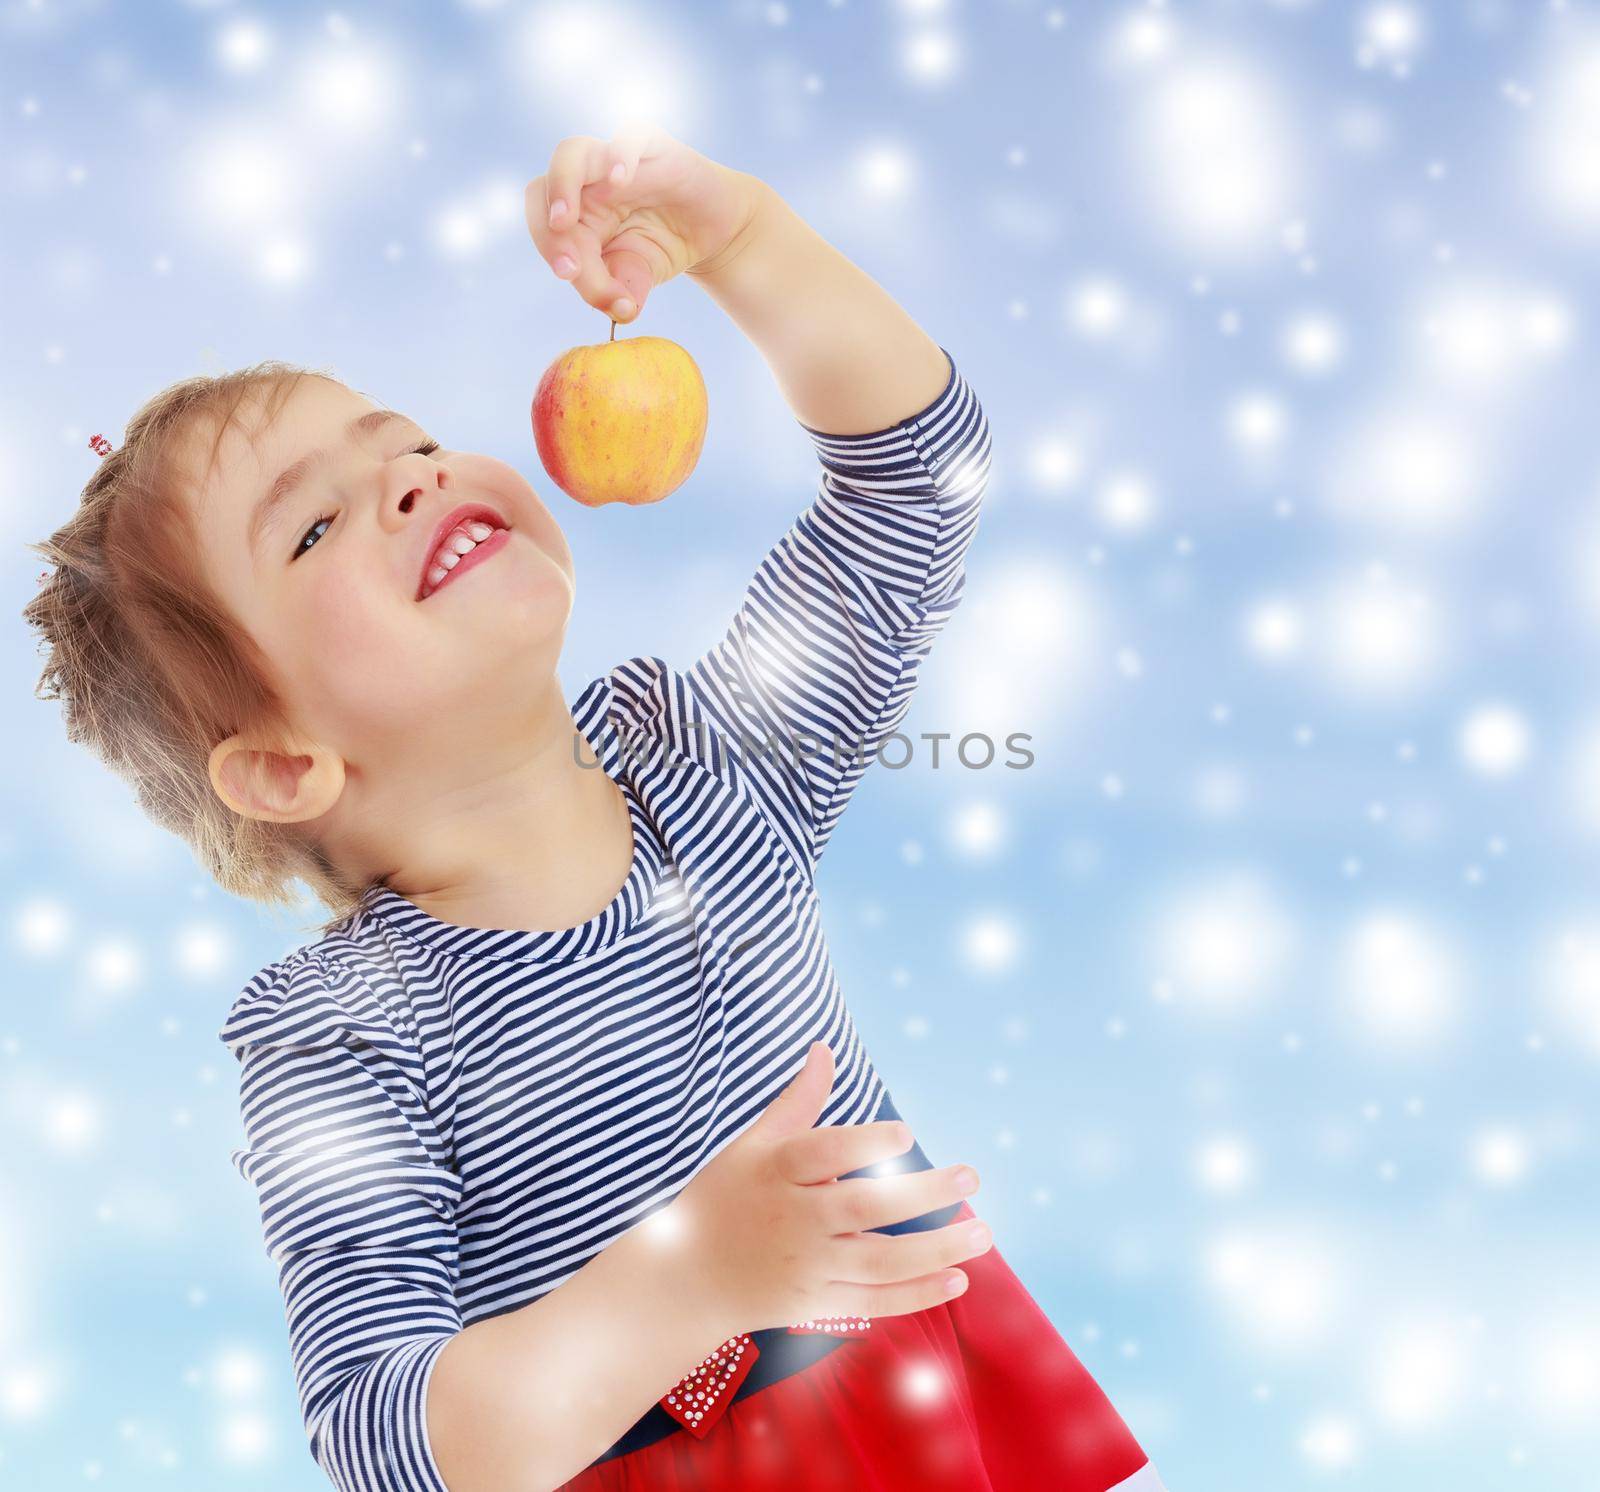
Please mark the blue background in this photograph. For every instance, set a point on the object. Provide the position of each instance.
(1267, 1000)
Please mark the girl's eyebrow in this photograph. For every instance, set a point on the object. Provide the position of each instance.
(273, 499)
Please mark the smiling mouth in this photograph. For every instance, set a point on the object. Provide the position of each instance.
(441, 574)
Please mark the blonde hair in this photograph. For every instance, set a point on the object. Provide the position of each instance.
(152, 668)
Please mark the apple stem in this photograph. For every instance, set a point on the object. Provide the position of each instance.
(613, 331)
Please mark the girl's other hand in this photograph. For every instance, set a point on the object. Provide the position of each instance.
(771, 1236)
(617, 218)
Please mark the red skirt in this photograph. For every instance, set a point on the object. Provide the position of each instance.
(977, 1395)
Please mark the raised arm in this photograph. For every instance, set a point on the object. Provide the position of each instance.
(848, 358)
(820, 662)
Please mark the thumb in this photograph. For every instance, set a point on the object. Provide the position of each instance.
(798, 1106)
(633, 278)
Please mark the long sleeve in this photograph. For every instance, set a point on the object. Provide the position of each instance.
(820, 662)
(358, 1207)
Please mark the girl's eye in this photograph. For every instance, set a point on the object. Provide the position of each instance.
(427, 448)
(302, 547)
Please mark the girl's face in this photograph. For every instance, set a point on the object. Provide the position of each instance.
(318, 533)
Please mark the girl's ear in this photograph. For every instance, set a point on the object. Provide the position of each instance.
(283, 787)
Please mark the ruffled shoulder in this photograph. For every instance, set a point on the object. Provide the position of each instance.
(308, 1000)
(639, 693)
(646, 696)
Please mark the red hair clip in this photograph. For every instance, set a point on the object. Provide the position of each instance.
(102, 447)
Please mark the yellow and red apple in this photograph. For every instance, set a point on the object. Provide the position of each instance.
(620, 421)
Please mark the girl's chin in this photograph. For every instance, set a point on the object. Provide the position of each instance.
(516, 617)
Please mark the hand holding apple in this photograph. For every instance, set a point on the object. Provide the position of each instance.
(626, 421)
(619, 218)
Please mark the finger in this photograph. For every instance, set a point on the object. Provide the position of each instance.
(863, 1203)
(899, 1299)
(575, 249)
(889, 1258)
(631, 270)
(831, 1150)
(628, 145)
(593, 280)
(576, 160)
(797, 1107)
(552, 246)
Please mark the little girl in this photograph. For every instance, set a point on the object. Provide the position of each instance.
(572, 1162)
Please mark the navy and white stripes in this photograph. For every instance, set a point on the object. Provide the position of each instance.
(443, 1123)
(825, 647)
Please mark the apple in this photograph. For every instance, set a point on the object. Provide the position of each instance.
(620, 421)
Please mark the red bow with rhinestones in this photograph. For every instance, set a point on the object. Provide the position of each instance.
(698, 1399)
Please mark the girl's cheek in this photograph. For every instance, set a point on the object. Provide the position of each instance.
(345, 625)
(334, 606)
(547, 535)
(349, 653)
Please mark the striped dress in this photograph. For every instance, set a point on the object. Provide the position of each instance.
(442, 1123)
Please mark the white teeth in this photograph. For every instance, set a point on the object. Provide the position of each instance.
(462, 540)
